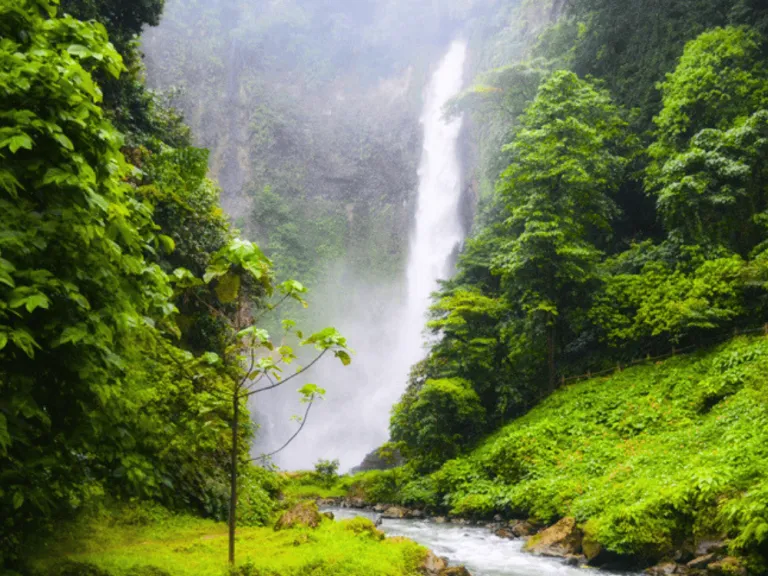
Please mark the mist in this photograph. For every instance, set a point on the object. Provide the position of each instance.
(325, 123)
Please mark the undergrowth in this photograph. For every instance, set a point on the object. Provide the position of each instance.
(147, 541)
(646, 459)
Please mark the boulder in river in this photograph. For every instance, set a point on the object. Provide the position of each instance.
(380, 508)
(505, 533)
(302, 514)
(561, 540)
(663, 569)
(522, 528)
(702, 561)
(455, 571)
(395, 512)
(433, 565)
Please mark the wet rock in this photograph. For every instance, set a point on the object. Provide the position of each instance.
(522, 528)
(497, 518)
(380, 507)
(663, 569)
(701, 561)
(415, 514)
(433, 565)
(329, 515)
(395, 512)
(460, 521)
(440, 519)
(728, 566)
(302, 514)
(355, 502)
(575, 560)
(560, 540)
(505, 533)
(710, 547)
(455, 571)
(325, 502)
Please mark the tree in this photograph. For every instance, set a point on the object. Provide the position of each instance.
(73, 279)
(242, 278)
(437, 420)
(567, 160)
(706, 172)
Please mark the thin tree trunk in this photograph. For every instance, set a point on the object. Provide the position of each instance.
(233, 479)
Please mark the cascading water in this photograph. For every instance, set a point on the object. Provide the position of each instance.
(438, 225)
(384, 328)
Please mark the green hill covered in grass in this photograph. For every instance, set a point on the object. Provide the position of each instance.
(649, 461)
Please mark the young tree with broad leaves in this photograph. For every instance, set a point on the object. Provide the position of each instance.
(242, 278)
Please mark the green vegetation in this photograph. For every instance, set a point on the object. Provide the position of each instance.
(647, 460)
(144, 541)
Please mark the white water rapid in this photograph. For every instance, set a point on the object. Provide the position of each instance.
(384, 324)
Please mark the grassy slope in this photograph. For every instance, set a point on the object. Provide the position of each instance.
(646, 459)
(186, 546)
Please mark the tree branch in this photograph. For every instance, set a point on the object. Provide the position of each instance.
(292, 438)
(291, 377)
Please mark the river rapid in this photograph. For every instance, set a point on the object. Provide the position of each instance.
(481, 551)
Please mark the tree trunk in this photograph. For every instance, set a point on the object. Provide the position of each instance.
(233, 478)
(551, 356)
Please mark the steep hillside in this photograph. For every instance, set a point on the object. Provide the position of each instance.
(650, 461)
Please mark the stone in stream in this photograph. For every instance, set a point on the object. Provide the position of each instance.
(505, 533)
(433, 565)
(561, 540)
(702, 561)
(455, 571)
(522, 528)
(395, 512)
(663, 569)
(380, 507)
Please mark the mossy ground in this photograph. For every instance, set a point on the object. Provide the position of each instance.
(187, 546)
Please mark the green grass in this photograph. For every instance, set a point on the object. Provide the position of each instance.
(186, 546)
(646, 459)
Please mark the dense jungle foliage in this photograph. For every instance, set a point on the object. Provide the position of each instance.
(128, 305)
(627, 215)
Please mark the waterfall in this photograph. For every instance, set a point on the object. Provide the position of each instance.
(384, 324)
(438, 225)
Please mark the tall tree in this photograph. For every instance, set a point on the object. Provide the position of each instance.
(567, 161)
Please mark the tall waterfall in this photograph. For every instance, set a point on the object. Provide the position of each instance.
(438, 225)
(384, 324)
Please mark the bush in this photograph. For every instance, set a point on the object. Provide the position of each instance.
(327, 471)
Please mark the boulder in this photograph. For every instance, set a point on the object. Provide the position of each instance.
(497, 518)
(395, 512)
(663, 569)
(561, 540)
(709, 547)
(505, 533)
(329, 515)
(440, 519)
(324, 502)
(702, 561)
(522, 528)
(728, 566)
(380, 507)
(354, 502)
(302, 514)
(455, 571)
(415, 514)
(575, 560)
(433, 565)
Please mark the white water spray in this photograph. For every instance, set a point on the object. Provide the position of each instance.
(438, 225)
(384, 329)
